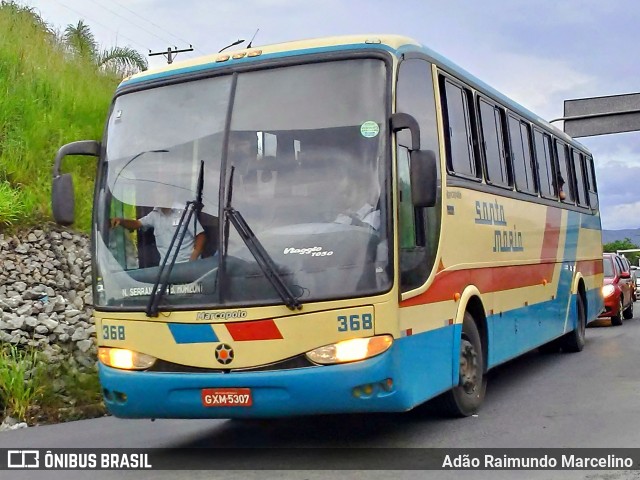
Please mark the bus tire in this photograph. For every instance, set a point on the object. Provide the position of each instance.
(465, 398)
(550, 347)
(574, 340)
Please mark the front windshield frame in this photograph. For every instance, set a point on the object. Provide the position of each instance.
(258, 65)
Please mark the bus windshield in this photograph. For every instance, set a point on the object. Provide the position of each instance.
(307, 145)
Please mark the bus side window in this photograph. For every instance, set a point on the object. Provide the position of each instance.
(521, 155)
(593, 186)
(461, 157)
(545, 169)
(419, 227)
(496, 164)
(566, 173)
(582, 179)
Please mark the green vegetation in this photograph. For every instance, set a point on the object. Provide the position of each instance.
(33, 390)
(625, 244)
(52, 91)
(55, 88)
(20, 381)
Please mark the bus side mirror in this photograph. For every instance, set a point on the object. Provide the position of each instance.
(424, 178)
(62, 197)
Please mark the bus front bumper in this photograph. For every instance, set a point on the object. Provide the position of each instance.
(367, 386)
(411, 371)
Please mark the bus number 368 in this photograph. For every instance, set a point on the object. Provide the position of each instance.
(113, 332)
(355, 322)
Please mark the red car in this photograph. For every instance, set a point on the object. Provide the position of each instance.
(617, 290)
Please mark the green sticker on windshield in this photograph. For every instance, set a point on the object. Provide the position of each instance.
(369, 129)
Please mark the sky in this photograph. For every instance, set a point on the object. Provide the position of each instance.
(537, 52)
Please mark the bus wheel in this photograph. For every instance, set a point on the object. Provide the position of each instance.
(465, 398)
(574, 340)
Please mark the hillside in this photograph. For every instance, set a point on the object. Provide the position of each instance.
(49, 97)
(609, 236)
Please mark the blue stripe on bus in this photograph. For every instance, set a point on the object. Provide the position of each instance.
(269, 56)
(591, 222)
(534, 325)
(192, 333)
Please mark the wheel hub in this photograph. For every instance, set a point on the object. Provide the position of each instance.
(468, 367)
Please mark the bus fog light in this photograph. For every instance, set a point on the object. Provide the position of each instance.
(125, 359)
(351, 350)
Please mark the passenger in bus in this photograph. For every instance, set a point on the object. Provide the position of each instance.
(164, 222)
(561, 193)
(360, 209)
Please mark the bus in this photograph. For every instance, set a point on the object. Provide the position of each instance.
(375, 228)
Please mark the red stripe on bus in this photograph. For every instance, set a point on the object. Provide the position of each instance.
(258, 330)
(551, 237)
(488, 280)
(589, 267)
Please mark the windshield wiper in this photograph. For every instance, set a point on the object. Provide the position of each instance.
(160, 286)
(263, 259)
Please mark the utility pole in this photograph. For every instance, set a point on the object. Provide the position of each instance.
(171, 54)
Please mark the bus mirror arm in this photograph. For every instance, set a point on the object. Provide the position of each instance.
(62, 197)
(424, 177)
(400, 121)
(83, 147)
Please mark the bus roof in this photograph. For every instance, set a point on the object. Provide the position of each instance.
(396, 44)
(298, 47)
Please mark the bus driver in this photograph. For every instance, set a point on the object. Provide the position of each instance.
(164, 221)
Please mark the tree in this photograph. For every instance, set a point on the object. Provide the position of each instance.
(625, 244)
(79, 39)
(122, 60)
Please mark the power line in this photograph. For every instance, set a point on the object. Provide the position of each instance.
(82, 15)
(164, 40)
(155, 25)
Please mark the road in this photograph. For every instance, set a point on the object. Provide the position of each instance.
(589, 399)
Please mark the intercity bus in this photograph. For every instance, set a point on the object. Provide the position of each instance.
(381, 228)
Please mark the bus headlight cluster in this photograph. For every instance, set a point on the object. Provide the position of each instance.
(608, 290)
(351, 350)
(125, 359)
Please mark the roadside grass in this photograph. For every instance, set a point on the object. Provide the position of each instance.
(21, 380)
(49, 98)
(37, 392)
(12, 205)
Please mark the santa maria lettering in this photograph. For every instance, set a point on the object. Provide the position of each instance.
(506, 238)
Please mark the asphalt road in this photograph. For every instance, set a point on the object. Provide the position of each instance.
(588, 399)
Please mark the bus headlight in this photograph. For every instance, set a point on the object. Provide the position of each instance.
(350, 350)
(125, 359)
(608, 290)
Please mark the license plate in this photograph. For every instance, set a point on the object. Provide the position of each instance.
(227, 397)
